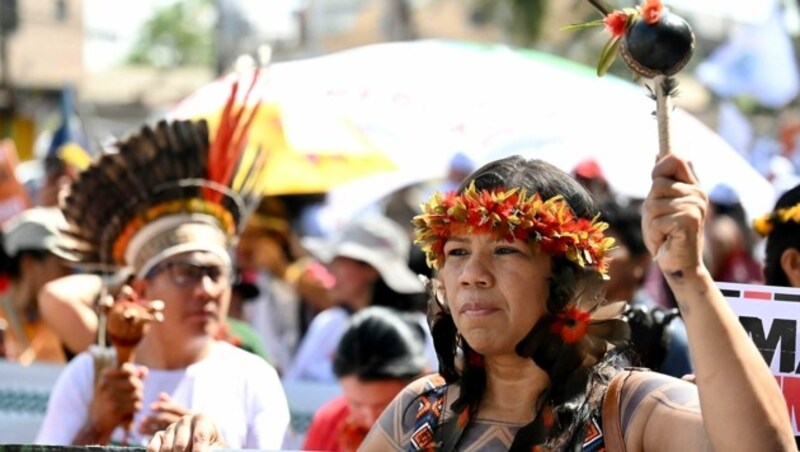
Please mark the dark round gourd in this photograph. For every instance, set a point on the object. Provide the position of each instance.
(662, 48)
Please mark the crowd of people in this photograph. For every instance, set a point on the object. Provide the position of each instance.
(521, 307)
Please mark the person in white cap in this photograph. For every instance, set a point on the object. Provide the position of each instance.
(32, 255)
(369, 261)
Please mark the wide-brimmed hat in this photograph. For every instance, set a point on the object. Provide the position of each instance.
(36, 229)
(378, 241)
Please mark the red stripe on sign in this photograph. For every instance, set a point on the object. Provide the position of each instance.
(757, 295)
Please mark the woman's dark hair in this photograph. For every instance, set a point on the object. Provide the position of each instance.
(381, 344)
(784, 235)
(570, 382)
(736, 212)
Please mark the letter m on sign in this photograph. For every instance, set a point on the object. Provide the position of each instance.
(783, 331)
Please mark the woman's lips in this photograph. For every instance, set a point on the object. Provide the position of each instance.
(478, 309)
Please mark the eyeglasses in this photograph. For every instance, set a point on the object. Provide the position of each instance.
(187, 274)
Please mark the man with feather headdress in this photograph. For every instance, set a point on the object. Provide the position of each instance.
(168, 208)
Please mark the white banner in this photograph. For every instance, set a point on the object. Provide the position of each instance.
(769, 315)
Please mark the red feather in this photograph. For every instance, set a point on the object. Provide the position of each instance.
(226, 151)
(219, 146)
(238, 144)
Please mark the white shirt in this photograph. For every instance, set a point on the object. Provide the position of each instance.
(238, 390)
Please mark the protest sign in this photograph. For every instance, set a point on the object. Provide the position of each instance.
(769, 315)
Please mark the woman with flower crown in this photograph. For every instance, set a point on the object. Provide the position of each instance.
(527, 347)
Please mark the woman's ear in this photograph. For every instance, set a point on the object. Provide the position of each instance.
(790, 264)
(436, 289)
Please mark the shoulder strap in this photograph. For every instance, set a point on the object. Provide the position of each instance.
(612, 427)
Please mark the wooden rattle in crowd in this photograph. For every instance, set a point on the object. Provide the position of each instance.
(655, 44)
(127, 323)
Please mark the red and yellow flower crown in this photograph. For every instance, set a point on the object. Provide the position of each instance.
(512, 214)
(763, 225)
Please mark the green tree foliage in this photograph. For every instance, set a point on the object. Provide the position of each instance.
(522, 18)
(180, 34)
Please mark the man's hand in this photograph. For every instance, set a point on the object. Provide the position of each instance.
(117, 396)
(191, 433)
(163, 412)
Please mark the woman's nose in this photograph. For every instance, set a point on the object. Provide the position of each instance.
(476, 272)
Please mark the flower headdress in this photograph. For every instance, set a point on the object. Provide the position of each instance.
(764, 225)
(512, 214)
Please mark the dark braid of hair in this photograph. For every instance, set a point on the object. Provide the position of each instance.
(447, 342)
(473, 381)
(571, 384)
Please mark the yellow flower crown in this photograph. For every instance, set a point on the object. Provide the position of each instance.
(512, 214)
(764, 225)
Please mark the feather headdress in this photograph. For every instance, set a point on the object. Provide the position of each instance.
(167, 186)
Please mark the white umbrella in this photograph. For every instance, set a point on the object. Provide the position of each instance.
(423, 101)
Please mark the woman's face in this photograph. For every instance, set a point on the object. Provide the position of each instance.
(626, 271)
(368, 399)
(258, 249)
(354, 279)
(496, 290)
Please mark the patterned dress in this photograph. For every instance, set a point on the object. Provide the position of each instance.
(414, 428)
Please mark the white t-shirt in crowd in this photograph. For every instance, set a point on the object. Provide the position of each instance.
(240, 391)
(314, 359)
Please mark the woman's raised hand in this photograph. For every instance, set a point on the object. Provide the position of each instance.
(673, 216)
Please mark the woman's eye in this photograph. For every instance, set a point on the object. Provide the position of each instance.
(456, 252)
(506, 250)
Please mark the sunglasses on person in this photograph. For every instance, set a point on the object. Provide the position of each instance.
(188, 274)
